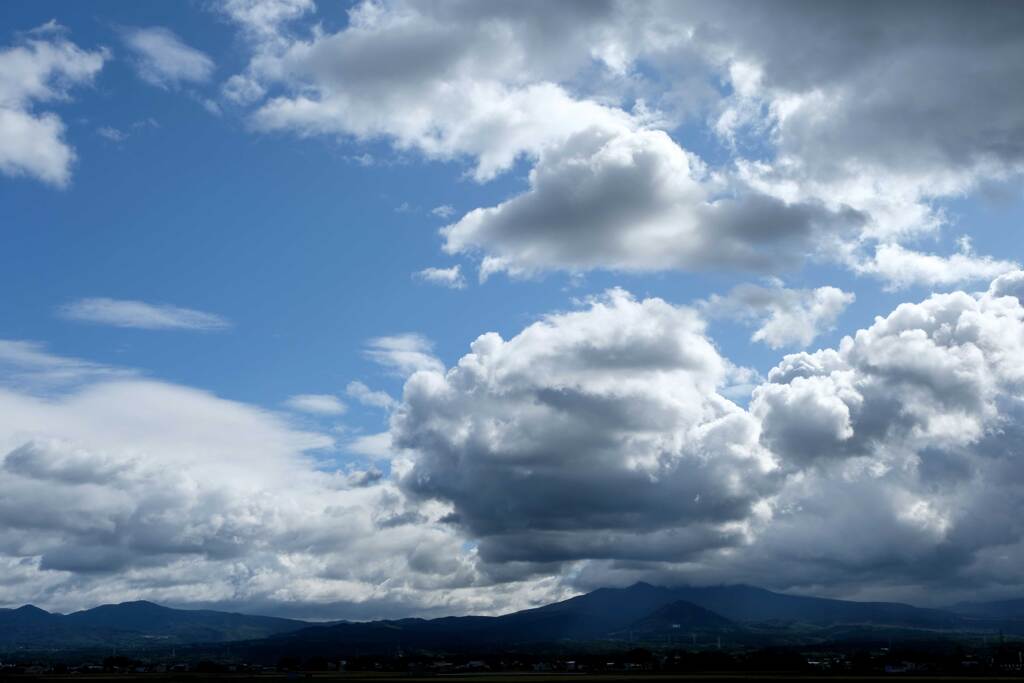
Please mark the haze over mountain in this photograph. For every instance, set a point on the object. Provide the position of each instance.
(998, 609)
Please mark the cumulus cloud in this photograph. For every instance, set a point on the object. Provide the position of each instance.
(600, 438)
(164, 60)
(445, 277)
(815, 156)
(638, 201)
(594, 433)
(906, 440)
(1008, 284)
(644, 204)
(427, 78)
(784, 317)
(317, 404)
(141, 315)
(43, 68)
(900, 267)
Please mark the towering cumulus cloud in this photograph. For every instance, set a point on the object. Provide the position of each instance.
(595, 433)
(599, 436)
(905, 446)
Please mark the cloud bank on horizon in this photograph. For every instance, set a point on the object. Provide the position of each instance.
(608, 441)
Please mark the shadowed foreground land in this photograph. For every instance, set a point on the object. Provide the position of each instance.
(510, 678)
(642, 632)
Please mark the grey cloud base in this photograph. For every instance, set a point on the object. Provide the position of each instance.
(635, 200)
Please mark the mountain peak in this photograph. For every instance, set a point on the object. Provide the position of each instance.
(30, 609)
(138, 603)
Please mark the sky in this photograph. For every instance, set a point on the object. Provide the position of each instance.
(357, 310)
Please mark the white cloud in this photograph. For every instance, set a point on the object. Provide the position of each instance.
(112, 134)
(141, 315)
(404, 354)
(785, 317)
(36, 71)
(317, 404)
(443, 211)
(425, 82)
(242, 90)
(901, 267)
(163, 60)
(375, 446)
(445, 277)
(264, 18)
(369, 397)
(25, 363)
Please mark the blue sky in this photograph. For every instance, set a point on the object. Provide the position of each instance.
(305, 230)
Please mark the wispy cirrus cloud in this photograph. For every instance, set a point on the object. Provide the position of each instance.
(317, 404)
(404, 354)
(141, 315)
(368, 397)
(29, 364)
(164, 60)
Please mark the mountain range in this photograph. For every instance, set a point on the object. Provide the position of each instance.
(639, 613)
(133, 624)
